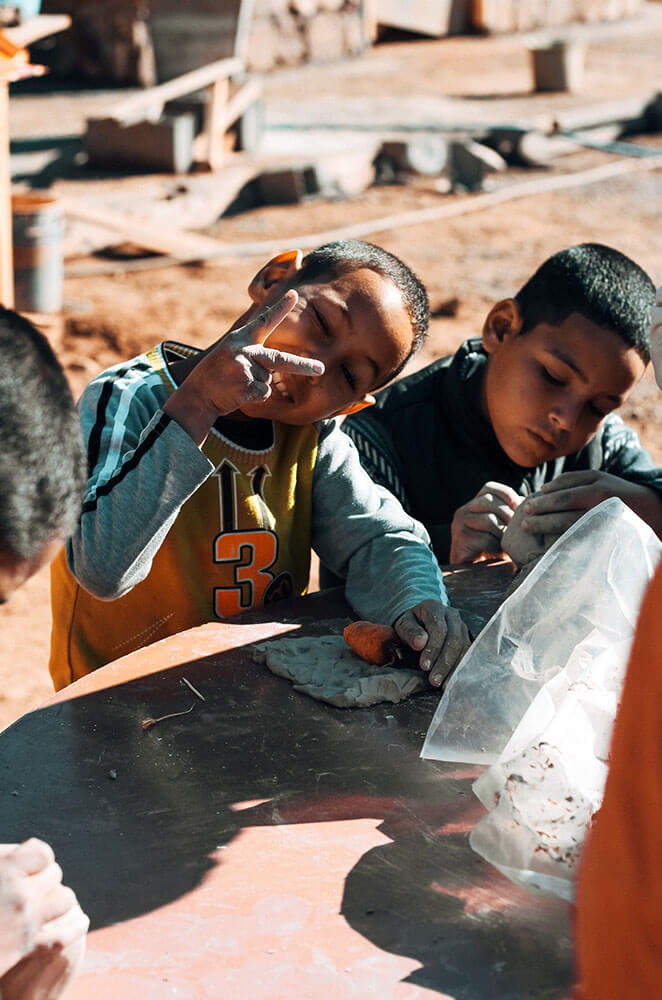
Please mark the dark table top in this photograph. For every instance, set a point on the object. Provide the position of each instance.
(266, 845)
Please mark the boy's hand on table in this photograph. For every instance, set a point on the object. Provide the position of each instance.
(237, 369)
(479, 524)
(565, 499)
(41, 923)
(439, 633)
(46, 972)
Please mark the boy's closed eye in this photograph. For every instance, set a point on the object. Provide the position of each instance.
(325, 327)
(549, 377)
(349, 376)
(597, 411)
(321, 320)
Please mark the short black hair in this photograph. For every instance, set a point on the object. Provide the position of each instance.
(42, 460)
(599, 283)
(341, 256)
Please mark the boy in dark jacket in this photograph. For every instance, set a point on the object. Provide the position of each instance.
(525, 409)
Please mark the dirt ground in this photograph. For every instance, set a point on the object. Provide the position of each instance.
(474, 258)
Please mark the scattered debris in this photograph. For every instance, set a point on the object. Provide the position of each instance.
(148, 723)
(426, 155)
(194, 690)
(449, 307)
(469, 163)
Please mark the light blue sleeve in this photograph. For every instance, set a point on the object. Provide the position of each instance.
(362, 533)
(143, 468)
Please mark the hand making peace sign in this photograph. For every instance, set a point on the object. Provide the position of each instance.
(237, 369)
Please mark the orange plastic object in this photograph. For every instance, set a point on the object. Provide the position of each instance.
(373, 643)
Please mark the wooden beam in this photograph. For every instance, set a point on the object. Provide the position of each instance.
(239, 102)
(448, 210)
(149, 103)
(180, 245)
(6, 250)
(214, 127)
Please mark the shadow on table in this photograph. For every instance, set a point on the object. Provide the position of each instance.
(135, 816)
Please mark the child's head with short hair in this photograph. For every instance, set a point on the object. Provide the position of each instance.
(594, 281)
(343, 256)
(361, 311)
(42, 464)
(565, 351)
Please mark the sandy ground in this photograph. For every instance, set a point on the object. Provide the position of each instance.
(475, 258)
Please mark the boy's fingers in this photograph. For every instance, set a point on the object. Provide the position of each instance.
(63, 930)
(57, 902)
(457, 642)
(267, 319)
(278, 361)
(506, 493)
(493, 522)
(45, 881)
(569, 480)
(33, 856)
(551, 524)
(411, 631)
(570, 498)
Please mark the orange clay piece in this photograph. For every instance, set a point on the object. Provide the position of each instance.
(378, 644)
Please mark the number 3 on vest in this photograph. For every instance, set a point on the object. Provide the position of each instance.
(253, 553)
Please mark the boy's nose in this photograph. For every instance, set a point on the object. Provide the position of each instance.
(564, 415)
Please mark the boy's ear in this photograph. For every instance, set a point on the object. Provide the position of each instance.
(360, 404)
(281, 268)
(503, 321)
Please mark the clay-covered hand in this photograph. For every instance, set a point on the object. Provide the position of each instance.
(521, 543)
(562, 502)
(478, 526)
(440, 635)
(42, 927)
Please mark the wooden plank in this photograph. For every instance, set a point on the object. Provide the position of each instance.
(6, 251)
(180, 245)
(370, 227)
(628, 109)
(214, 127)
(149, 102)
(244, 24)
(428, 17)
(239, 102)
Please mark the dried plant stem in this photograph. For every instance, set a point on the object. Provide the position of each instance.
(194, 690)
(148, 723)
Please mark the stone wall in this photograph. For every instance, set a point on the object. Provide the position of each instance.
(142, 42)
(496, 16)
(290, 32)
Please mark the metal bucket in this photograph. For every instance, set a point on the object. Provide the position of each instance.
(38, 266)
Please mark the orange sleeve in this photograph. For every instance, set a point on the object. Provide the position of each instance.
(618, 921)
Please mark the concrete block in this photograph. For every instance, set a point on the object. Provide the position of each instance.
(421, 155)
(337, 175)
(261, 52)
(325, 38)
(305, 8)
(521, 147)
(356, 40)
(287, 185)
(289, 43)
(164, 146)
(470, 162)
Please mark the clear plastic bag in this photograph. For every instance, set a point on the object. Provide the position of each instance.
(537, 693)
